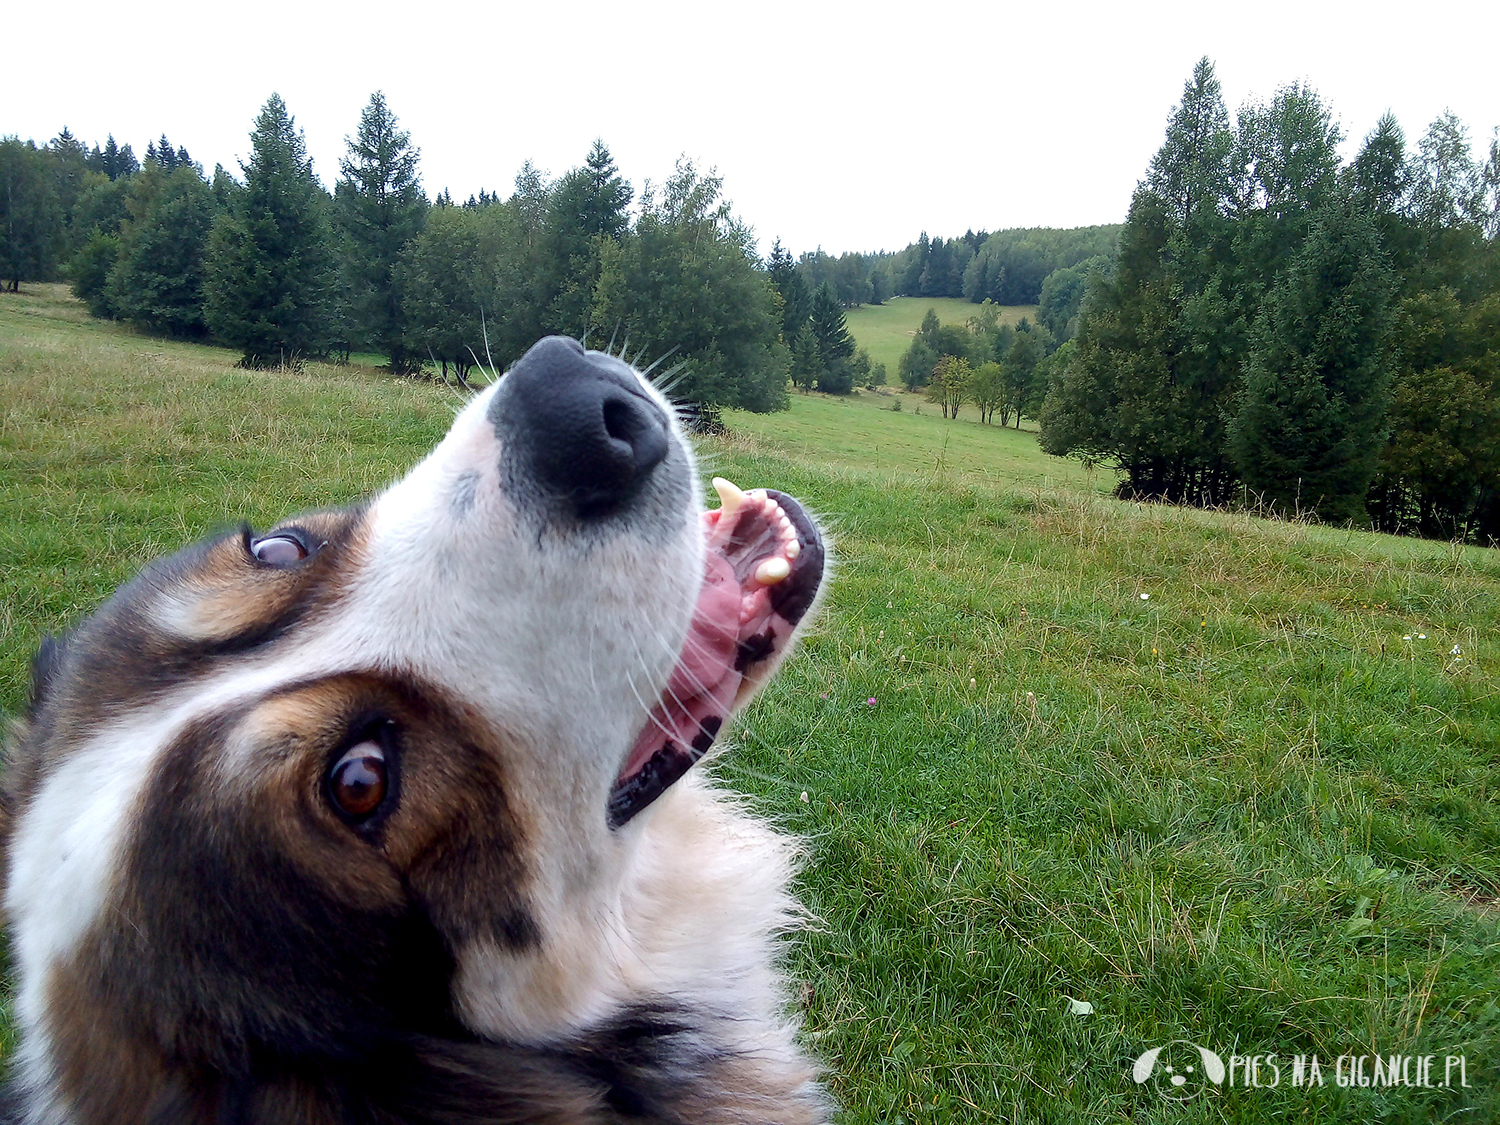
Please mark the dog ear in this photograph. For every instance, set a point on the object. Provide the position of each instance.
(1145, 1065)
(46, 666)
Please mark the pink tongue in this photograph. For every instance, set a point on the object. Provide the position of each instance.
(702, 688)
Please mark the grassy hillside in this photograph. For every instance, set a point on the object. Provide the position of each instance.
(1077, 777)
(886, 330)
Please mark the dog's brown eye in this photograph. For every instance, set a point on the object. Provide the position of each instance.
(357, 782)
(278, 550)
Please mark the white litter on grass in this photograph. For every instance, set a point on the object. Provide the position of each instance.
(1145, 597)
(1080, 1007)
(803, 798)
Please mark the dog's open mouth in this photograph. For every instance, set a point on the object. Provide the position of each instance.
(764, 566)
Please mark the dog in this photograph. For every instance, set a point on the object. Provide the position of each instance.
(385, 814)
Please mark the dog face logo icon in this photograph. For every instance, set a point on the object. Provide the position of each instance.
(1179, 1070)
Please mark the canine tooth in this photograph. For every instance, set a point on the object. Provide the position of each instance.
(772, 571)
(731, 496)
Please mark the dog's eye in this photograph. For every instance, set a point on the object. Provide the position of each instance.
(357, 782)
(279, 550)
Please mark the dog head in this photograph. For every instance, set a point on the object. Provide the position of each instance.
(310, 801)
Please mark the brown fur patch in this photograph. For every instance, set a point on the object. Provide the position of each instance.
(121, 658)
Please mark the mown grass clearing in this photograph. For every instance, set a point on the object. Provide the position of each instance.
(861, 431)
(1245, 811)
(886, 330)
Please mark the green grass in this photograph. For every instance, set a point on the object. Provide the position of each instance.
(886, 330)
(1244, 811)
(862, 431)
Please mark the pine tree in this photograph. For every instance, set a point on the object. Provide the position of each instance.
(381, 208)
(270, 264)
(1309, 428)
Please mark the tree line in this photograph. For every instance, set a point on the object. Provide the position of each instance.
(1282, 327)
(272, 264)
(1008, 267)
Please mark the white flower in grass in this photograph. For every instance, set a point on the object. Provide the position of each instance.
(1421, 636)
(1455, 651)
(1145, 597)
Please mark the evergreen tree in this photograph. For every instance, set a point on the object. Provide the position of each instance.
(915, 264)
(164, 156)
(587, 210)
(1192, 172)
(270, 263)
(71, 170)
(1381, 178)
(830, 328)
(156, 281)
(1309, 427)
(31, 219)
(1159, 351)
(807, 364)
(786, 279)
(381, 208)
(114, 161)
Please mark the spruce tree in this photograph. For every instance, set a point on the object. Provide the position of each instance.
(156, 281)
(830, 328)
(381, 208)
(1192, 173)
(31, 219)
(807, 365)
(588, 208)
(270, 262)
(1310, 425)
(786, 279)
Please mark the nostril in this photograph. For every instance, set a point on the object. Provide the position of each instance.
(621, 422)
(638, 424)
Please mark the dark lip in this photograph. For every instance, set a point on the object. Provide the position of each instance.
(791, 599)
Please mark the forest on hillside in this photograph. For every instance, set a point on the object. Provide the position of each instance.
(1271, 326)
(1284, 328)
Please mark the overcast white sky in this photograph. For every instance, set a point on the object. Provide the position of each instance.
(852, 126)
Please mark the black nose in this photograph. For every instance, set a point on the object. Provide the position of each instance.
(581, 420)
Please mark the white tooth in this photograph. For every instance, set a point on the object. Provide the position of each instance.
(772, 571)
(730, 496)
(793, 549)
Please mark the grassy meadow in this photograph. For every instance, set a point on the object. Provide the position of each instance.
(1076, 777)
(886, 330)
